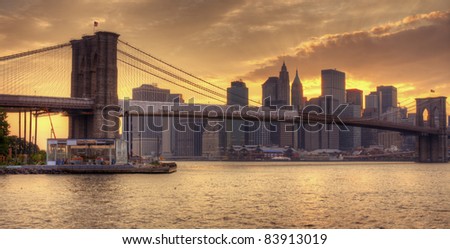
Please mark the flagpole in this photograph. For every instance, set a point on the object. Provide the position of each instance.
(95, 25)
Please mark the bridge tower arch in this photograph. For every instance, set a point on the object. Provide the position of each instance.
(94, 76)
(431, 147)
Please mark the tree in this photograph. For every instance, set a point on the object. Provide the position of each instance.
(4, 132)
(19, 146)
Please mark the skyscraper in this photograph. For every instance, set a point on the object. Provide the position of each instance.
(354, 97)
(237, 94)
(297, 93)
(317, 136)
(269, 90)
(333, 83)
(351, 139)
(372, 101)
(372, 111)
(147, 131)
(283, 93)
(297, 102)
(388, 96)
(277, 88)
(147, 92)
(333, 94)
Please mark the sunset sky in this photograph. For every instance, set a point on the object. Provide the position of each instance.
(384, 42)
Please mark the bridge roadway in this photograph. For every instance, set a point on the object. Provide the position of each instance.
(16, 103)
(257, 114)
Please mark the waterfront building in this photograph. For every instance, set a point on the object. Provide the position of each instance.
(260, 136)
(147, 131)
(155, 136)
(390, 139)
(188, 140)
(211, 147)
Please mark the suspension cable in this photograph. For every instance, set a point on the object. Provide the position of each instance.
(19, 55)
(170, 81)
(183, 71)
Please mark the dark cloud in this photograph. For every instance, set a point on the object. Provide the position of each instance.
(413, 53)
(222, 39)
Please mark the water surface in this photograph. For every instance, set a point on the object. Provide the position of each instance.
(235, 195)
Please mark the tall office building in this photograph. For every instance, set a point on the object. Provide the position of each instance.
(284, 133)
(153, 136)
(188, 142)
(283, 90)
(211, 147)
(323, 138)
(333, 83)
(372, 101)
(369, 136)
(298, 103)
(147, 92)
(333, 91)
(260, 136)
(355, 97)
(269, 90)
(351, 139)
(448, 129)
(237, 94)
(147, 130)
(297, 93)
(277, 88)
(388, 96)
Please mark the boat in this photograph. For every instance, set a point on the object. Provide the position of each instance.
(280, 158)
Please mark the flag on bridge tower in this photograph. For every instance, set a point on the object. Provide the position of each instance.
(95, 25)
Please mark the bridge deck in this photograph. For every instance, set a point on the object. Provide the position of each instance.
(14, 103)
(256, 114)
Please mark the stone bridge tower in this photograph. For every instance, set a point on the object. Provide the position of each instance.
(430, 147)
(94, 76)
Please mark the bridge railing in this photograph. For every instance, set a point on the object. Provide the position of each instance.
(45, 103)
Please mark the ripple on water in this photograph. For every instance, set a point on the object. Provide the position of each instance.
(232, 195)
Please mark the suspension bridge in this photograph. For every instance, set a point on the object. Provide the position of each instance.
(82, 77)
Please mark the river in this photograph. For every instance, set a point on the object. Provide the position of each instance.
(236, 195)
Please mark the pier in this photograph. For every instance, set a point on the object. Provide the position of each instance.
(161, 168)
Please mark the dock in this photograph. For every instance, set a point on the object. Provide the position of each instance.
(162, 168)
